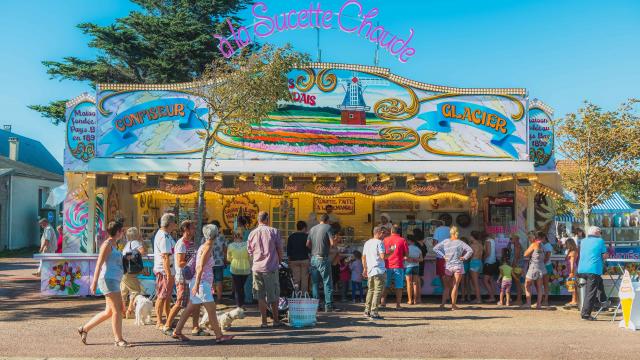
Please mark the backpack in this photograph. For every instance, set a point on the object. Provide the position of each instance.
(189, 270)
(132, 261)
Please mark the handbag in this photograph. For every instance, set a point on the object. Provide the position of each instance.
(189, 270)
(303, 310)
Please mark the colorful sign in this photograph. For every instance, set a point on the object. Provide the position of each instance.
(541, 137)
(337, 112)
(240, 205)
(81, 122)
(627, 294)
(351, 18)
(341, 205)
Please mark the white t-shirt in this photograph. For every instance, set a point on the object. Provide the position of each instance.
(548, 248)
(131, 245)
(163, 243)
(48, 234)
(371, 251)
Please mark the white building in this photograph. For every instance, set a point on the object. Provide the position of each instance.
(28, 172)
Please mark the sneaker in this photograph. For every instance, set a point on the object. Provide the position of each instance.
(605, 304)
(375, 317)
(367, 315)
(588, 318)
(329, 309)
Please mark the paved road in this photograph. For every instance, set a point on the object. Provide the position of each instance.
(33, 326)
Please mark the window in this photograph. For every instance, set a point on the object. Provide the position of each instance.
(43, 195)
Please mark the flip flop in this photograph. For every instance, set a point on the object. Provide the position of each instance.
(180, 337)
(224, 338)
(200, 332)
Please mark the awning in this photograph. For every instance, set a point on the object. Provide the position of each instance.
(615, 204)
(319, 166)
(567, 218)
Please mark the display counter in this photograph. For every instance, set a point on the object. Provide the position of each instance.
(66, 275)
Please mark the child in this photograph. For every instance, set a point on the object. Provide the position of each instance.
(345, 276)
(356, 276)
(505, 275)
(411, 263)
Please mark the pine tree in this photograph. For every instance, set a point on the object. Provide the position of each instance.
(166, 41)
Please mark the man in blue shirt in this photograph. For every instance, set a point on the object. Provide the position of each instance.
(593, 251)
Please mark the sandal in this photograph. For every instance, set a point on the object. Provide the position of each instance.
(83, 335)
(121, 343)
(264, 325)
(180, 337)
(167, 331)
(199, 332)
(224, 338)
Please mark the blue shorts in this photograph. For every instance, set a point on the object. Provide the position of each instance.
(397, 277)
(475, 265)
(412, 270)
(466, 267)
(218, 274)
(549, 268)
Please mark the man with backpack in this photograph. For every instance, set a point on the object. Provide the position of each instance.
(132, 253)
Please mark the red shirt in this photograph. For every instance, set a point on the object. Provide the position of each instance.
(396, 260)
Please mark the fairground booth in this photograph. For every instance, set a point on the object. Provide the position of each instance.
(359, 138)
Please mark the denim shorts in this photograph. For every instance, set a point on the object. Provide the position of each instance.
(108, 286)
(412, 270)
(218, 274)
(397, 277)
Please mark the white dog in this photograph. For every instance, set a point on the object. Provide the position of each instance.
(224, 318)
(144, 308)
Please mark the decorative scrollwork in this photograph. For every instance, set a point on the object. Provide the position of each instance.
(84, 152)
(237, 129)
(398, 133)
(397, 109)
(305, 82)
(326, 81)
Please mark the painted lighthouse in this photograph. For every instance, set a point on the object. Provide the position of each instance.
(353, 109)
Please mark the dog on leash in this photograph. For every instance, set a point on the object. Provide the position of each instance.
(225, 319)
(144, 308)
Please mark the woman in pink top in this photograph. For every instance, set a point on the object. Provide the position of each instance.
(201, 288)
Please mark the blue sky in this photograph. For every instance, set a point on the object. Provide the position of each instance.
(563, 52)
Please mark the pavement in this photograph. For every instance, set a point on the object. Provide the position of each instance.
(33, 326)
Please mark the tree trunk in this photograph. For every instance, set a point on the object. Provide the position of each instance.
(586, 212)
(201, 188)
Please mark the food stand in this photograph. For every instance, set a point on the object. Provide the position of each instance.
(359, 138)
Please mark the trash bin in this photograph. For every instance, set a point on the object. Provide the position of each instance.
(581, 284)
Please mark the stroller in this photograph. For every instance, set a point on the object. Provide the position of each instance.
(287, 287)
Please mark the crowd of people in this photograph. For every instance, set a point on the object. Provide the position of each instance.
(388, 262)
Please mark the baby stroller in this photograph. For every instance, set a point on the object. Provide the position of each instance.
(285, 277)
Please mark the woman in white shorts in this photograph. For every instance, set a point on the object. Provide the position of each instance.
(200, 287)
(535, 272)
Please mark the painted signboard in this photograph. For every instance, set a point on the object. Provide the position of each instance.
(81, 130)
(340, 112)
(541, 136)
(240, 205)
(341, 205)
(66, 277)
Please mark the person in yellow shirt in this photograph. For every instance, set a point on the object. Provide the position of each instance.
(238, 257)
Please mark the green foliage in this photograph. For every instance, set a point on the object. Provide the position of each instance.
(601, 148)
(54, 111)
(167, 41)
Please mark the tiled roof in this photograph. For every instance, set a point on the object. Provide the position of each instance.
(19, 168)
(31, 152)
